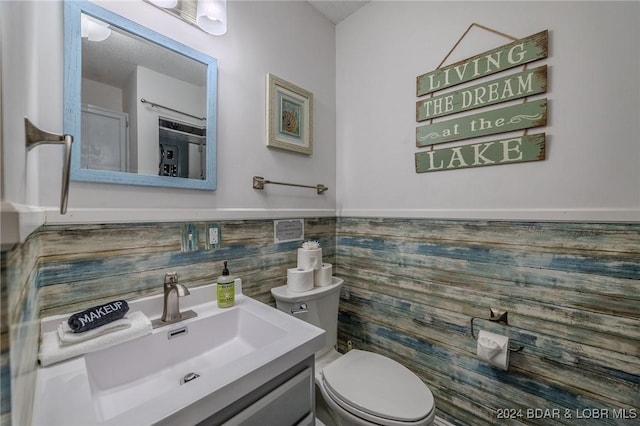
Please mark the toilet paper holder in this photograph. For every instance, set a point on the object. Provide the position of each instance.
(498, 316)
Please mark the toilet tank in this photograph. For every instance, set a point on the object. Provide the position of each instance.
(321, 308)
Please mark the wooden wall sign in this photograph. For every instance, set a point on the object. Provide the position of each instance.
(489, 121)
(510, 55)
(517, 117)
(512, 150)
(515, 86)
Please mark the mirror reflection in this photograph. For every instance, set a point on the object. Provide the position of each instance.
(144, 105)
(121, 130)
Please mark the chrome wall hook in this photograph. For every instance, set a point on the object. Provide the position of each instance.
(34, 137)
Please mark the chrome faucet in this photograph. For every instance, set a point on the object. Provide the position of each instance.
(172, 293)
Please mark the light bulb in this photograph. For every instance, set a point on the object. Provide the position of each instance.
(211, 16)
(166, 4)
(94, 29)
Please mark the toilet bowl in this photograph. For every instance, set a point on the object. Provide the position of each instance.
(360, 387)
(364, 388)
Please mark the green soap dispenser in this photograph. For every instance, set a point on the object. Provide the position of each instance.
(226, 289)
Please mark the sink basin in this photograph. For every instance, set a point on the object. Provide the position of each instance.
(232, 352)
(123, 376)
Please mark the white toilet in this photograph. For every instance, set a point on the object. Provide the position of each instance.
(359, 387)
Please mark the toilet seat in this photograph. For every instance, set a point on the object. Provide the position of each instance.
(377, 389)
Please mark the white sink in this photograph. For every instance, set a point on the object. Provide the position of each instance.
(123, 376)
(232, 350)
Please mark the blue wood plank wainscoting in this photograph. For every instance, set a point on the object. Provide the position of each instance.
(68, 268)
(572, 291)
(411, 286)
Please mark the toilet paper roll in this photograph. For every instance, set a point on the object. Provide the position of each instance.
(309, 259)
(493, 349)
(322, 276)
(299, 280)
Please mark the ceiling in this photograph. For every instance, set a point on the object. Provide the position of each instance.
(112, 61)
(337, 11)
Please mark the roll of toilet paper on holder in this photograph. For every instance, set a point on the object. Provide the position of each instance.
(299, 280)
(309, 259)
(493, 349)
(322, 276)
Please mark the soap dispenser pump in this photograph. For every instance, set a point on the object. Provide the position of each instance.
(225, 288)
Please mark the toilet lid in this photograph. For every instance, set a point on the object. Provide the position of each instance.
(378, 386)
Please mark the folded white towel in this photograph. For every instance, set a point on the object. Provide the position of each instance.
(52, 350)
(67, 336)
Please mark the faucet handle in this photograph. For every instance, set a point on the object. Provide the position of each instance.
(171, 278)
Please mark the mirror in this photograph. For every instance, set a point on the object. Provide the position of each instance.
(141, 107)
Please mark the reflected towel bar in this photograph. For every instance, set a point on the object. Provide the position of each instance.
(259, 182)
(153, 104)
(34, 137)
(499, 317)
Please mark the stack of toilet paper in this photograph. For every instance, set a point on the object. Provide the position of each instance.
(310, 270)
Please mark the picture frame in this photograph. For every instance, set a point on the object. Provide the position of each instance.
(289, 116)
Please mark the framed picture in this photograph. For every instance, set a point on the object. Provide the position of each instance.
(289, 116)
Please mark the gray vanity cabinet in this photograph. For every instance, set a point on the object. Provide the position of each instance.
(286, 399)
(290, 403)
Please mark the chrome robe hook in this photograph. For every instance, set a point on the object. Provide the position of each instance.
(34, 137)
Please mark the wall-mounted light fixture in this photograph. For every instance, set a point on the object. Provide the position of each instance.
(208, 15)
(94, 29)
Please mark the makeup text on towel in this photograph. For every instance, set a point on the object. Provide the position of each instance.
(98, 316)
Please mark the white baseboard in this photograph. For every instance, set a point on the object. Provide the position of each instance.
(18, 221)
(533, 215)
(80, 216)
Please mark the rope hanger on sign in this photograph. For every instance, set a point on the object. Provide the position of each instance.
(483, 27)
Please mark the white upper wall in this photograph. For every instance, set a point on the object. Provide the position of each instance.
(368, 69)
(592, 171)
(288, 39)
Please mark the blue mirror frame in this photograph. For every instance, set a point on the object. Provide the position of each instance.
(72, 98)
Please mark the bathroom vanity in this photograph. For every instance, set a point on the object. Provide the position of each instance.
(225, 366)
(287, 399)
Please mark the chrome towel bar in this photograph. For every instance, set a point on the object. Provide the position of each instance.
(34, 137)
(259, 182)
